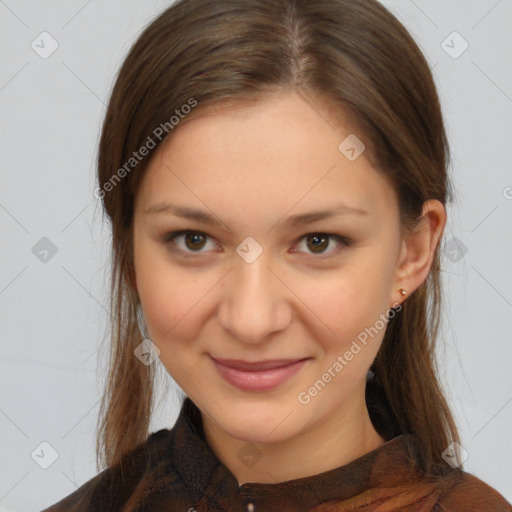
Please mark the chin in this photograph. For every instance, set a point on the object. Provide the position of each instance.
(258, 433)
(257, 421)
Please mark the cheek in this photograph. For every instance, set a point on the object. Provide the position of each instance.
(171, 315)
(174, 301)
(167, 304)
(347, 305)
(162, 294)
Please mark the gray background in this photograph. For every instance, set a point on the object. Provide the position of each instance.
(53, 312)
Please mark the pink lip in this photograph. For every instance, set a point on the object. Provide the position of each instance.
(259, 376)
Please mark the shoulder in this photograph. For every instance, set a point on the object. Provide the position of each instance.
(115, 484)
(469, 493)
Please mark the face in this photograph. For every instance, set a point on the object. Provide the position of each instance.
(243, 281)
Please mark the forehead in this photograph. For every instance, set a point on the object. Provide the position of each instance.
(281, 151)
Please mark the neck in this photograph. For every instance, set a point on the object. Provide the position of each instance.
(333, 441)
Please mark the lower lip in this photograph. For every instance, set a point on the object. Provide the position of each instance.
(262, 380)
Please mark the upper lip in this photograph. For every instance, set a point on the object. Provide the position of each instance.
(238, 364)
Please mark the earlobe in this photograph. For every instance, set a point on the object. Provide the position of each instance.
(418, 250)
(398, 291)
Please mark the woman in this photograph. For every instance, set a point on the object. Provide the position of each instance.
(275, 172)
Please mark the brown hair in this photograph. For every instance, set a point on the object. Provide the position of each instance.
(357, 55)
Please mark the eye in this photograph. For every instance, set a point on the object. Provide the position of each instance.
(318, 242)
(193, 241)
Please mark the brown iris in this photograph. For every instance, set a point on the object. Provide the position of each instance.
(197, 240)
(318, 242)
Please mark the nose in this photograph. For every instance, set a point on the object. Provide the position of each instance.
(255, 303)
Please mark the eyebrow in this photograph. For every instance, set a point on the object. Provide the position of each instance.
(186, 212)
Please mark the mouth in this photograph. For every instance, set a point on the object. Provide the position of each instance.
(260, 375)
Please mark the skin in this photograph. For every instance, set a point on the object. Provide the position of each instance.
(251, 167)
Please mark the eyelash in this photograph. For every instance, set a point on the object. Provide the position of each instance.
(343, 241)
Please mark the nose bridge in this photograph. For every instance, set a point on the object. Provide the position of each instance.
(253, 303)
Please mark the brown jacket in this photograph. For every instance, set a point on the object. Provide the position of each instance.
(175, 470)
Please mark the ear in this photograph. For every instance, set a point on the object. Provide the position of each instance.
(417, 251)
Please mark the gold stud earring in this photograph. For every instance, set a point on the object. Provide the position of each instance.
(402, 291)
